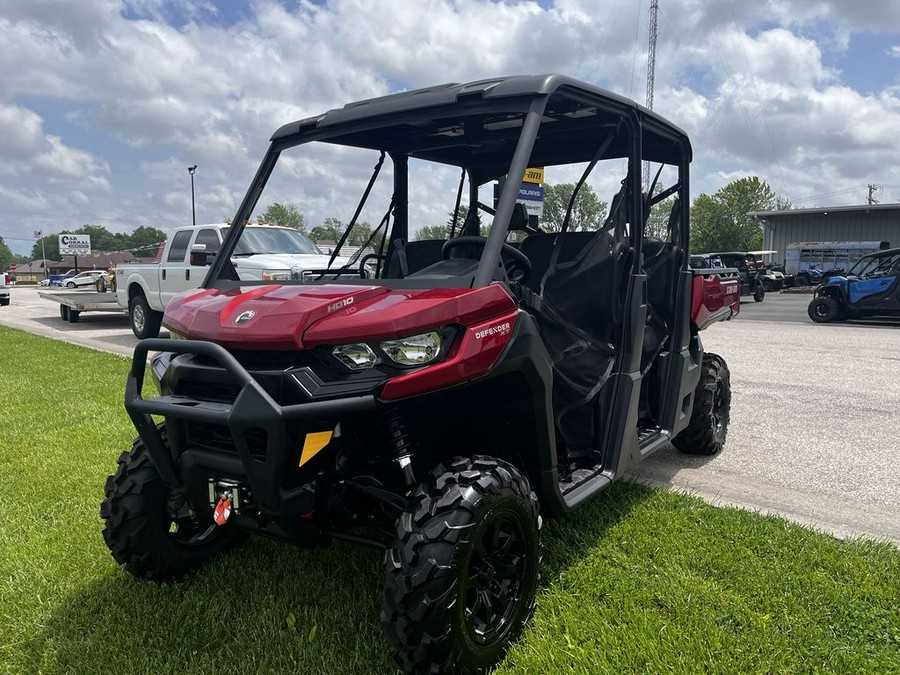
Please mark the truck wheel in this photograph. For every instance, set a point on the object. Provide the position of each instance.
(74, 315)
(64, 312)
(824, 310)
(4, 302)
(151, 530)
(145, 322)
(760, 293)
(706, 432)
(463, 568)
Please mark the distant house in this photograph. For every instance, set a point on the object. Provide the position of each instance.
(95, 261)
(31, 273)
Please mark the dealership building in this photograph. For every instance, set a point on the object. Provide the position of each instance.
(873, 222)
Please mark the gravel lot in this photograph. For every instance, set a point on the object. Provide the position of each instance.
(814, 428)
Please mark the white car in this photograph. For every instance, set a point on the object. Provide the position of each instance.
(87, 278)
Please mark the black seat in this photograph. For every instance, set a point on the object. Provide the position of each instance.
(539, 250)
(419, 255)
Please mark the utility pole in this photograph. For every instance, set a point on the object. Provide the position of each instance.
(651, 74)
(871, 198)
(191, 170)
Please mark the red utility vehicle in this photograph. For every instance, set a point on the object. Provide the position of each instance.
(433, 398)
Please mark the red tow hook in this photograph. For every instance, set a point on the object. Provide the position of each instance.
(223, 511)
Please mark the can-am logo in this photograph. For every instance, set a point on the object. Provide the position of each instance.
(502, 329)
(244, 317)
(335, 306)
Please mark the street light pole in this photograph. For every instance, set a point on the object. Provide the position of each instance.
(191, 170)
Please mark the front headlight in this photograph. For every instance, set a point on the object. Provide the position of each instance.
(276, 275)
(415, 350)
(356, 356)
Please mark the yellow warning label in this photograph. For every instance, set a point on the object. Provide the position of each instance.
(534, 175)
(313, 443)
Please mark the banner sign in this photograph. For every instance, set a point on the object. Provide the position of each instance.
(532, 196)
(534, 175)
(74, 244)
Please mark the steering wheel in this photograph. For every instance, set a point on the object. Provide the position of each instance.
(517, 264)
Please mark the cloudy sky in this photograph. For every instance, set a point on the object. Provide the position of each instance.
(105, 103)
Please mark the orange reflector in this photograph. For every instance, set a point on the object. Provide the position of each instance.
(313, 443)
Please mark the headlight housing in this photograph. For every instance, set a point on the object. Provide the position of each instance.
(415, 350)
(276, 275)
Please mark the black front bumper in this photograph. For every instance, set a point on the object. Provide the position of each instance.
(253, 414)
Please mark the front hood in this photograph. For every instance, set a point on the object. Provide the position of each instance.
(303, 316)
(285, 261)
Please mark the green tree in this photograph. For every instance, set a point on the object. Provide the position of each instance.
(287, 215)
(101, 238)
(330, 230)
(6, 256)
(360, 234)
(658, 220)
(588, 212)
(720, 222)
(433, 232)
(144, 235)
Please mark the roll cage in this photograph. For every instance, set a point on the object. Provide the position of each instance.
(490, 129)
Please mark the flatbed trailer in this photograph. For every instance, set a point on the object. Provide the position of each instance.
(73, 303)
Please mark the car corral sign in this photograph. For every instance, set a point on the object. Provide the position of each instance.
(74, 244)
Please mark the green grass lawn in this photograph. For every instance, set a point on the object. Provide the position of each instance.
(639, 581)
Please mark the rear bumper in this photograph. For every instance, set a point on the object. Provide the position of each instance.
(252, 415)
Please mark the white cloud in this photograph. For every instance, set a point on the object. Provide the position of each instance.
(156, 85)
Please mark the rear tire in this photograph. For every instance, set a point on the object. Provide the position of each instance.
(706, 432)
(824, 310)
(760, 293)
(64, 312)
(152, 531)
(463, 569)
(4, 302)
(145, 322)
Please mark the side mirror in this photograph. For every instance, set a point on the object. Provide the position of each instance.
(200, 257)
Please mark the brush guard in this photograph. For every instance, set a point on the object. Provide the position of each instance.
(253, 408)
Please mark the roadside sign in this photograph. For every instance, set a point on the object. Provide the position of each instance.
(534, 175)
(532, 196)
(74, 244)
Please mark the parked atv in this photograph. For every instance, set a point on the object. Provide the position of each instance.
(435, 398)
(870, 288)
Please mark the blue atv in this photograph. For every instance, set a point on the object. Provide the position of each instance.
(870, 288)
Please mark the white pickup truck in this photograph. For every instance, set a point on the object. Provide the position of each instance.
(264, 253)
(4, 288)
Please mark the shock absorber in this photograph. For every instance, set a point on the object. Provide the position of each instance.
(398, 441)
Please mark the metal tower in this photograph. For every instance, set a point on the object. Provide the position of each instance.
(651, 73)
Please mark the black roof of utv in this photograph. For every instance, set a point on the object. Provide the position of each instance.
(491, 128)
(428, 123)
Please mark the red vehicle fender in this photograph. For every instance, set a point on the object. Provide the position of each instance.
(714, 299)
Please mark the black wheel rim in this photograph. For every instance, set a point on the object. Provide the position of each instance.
(822, 310)
(493, 585)
(719, 410)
